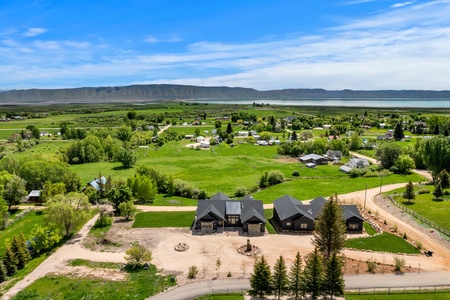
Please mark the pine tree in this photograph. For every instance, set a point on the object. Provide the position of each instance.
(436, 129)
(329, 232)
(334, 277)
(409, 191)
(446, 133)
(444, 177)
(294, 136)
(438, 193)
(279, 278)
(10, 261)
(313, 275)
(3, 272)
(260, 279)
(398, 132)
(296, 285)
(19, 248)
(229, 128)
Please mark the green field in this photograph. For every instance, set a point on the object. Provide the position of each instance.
(140, 284)
(385, 242)
(164, 219)
(424, 205)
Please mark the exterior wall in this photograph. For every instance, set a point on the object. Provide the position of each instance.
(298, 224)
(357, 222)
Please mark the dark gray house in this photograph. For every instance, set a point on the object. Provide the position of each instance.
(290, 214)
(220, 214)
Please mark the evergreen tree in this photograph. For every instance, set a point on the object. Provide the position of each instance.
(409, 192)
(19, 248)
(313, 275)
(279, 278)
(294, 136)
(3, 272)
(229, 128)
(438, 193)
(329, 232)
(296, 286)
(10, 261)
(260, 279)
(446, 133)
(444, 177)
(436, 129)
(398, 132)
(334, 277)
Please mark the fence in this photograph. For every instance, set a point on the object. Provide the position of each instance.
(419, 217)
(401, 290)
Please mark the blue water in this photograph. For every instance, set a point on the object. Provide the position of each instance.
(391, 103)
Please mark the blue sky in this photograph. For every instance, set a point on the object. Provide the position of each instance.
(262, 44)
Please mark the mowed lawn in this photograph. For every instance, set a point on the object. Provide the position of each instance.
(435, 211)
(385, 242)
(164, 219)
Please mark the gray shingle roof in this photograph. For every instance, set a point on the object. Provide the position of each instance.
(219, 196)
(233, 208)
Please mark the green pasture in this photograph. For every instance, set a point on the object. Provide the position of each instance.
(369, 229)
(230, 296)
(25, 225)
(161, 219)
(424, 205)
(268, 214)
(385, 242)
(408, 295)
(140, 284)
(95, 264)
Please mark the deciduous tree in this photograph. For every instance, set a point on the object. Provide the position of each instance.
(138, 255)
(44, 238)
(128, 210)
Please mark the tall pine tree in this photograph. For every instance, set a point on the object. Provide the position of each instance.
(261, 278)
(334, 277)
(329, 232)
(296, 284)
(409, 191)
(313, 275)
(398, 132)
(3, 272)
(279, 278)
(10, 261)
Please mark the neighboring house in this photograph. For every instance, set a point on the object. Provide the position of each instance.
(34, 196)
(291, 215)
(96, 183)
(333, 155)
(314, 158)
(358, 163)
(221, 214)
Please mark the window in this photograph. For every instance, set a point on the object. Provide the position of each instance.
(233, 220)
(288, 223)
(353, 226)
(303, 226)
(207, 225)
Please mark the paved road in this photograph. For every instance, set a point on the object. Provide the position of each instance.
(352, 282)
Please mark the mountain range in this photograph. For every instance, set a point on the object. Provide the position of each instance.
(161, 92)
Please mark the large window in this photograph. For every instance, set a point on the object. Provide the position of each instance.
(233, 220)
(288, 223)
(353, 226)
(303, 226)
(207, 225)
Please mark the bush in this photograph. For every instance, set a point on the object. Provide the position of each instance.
(399, 263)
(423, 191)
(103, 221)
(275, 177)
(138, 255)
(405, 237)
(357, 172)
(240, 191)
(371, 265)
(296, 173)
(193, 271)
(418, 244)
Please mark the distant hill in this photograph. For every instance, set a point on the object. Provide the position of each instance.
(161, 92)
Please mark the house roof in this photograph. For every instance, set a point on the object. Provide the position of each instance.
(359, 162)
(96, 182)
(248, 197)
(233, 208)
(318, 201)
(311, 156)
(34, 193)
(219, 196)
(349, 211)
(345, 169)
(206, 207)
(250, 213)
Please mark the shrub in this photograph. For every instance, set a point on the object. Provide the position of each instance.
(240, 191)
(275, 177)
(296, 173)
(394, 228)
(399, 263)
(405, 236)
(229, 274)
(138, 255)
(371, 265)
(193, 271)
(418, 244)
(423, 191)
(103, 221)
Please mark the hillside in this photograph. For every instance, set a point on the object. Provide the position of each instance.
(158, 92)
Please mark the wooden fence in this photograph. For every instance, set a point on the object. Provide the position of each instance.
(419, 217)
(400, 290)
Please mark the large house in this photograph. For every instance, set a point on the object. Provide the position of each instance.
(355, 163)
(313, 159)
(220, 213)
(291, 215)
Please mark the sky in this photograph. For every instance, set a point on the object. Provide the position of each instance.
(261, 44)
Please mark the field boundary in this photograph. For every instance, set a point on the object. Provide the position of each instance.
(418, 216)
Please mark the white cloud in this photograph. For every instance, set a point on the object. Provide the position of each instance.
(153, 40)
(397, 5)
(34, 31)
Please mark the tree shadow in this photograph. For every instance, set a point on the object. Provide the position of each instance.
(408, 203)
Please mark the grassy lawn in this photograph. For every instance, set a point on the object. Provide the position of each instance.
(232, 296)
(424, 205)
(164, 219)
(25, 225)
(385, 242)
(95, 264)
(139, 285)
(369, 229)
(268, 214)
(408, 296)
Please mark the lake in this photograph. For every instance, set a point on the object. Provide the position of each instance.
(383, 102)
